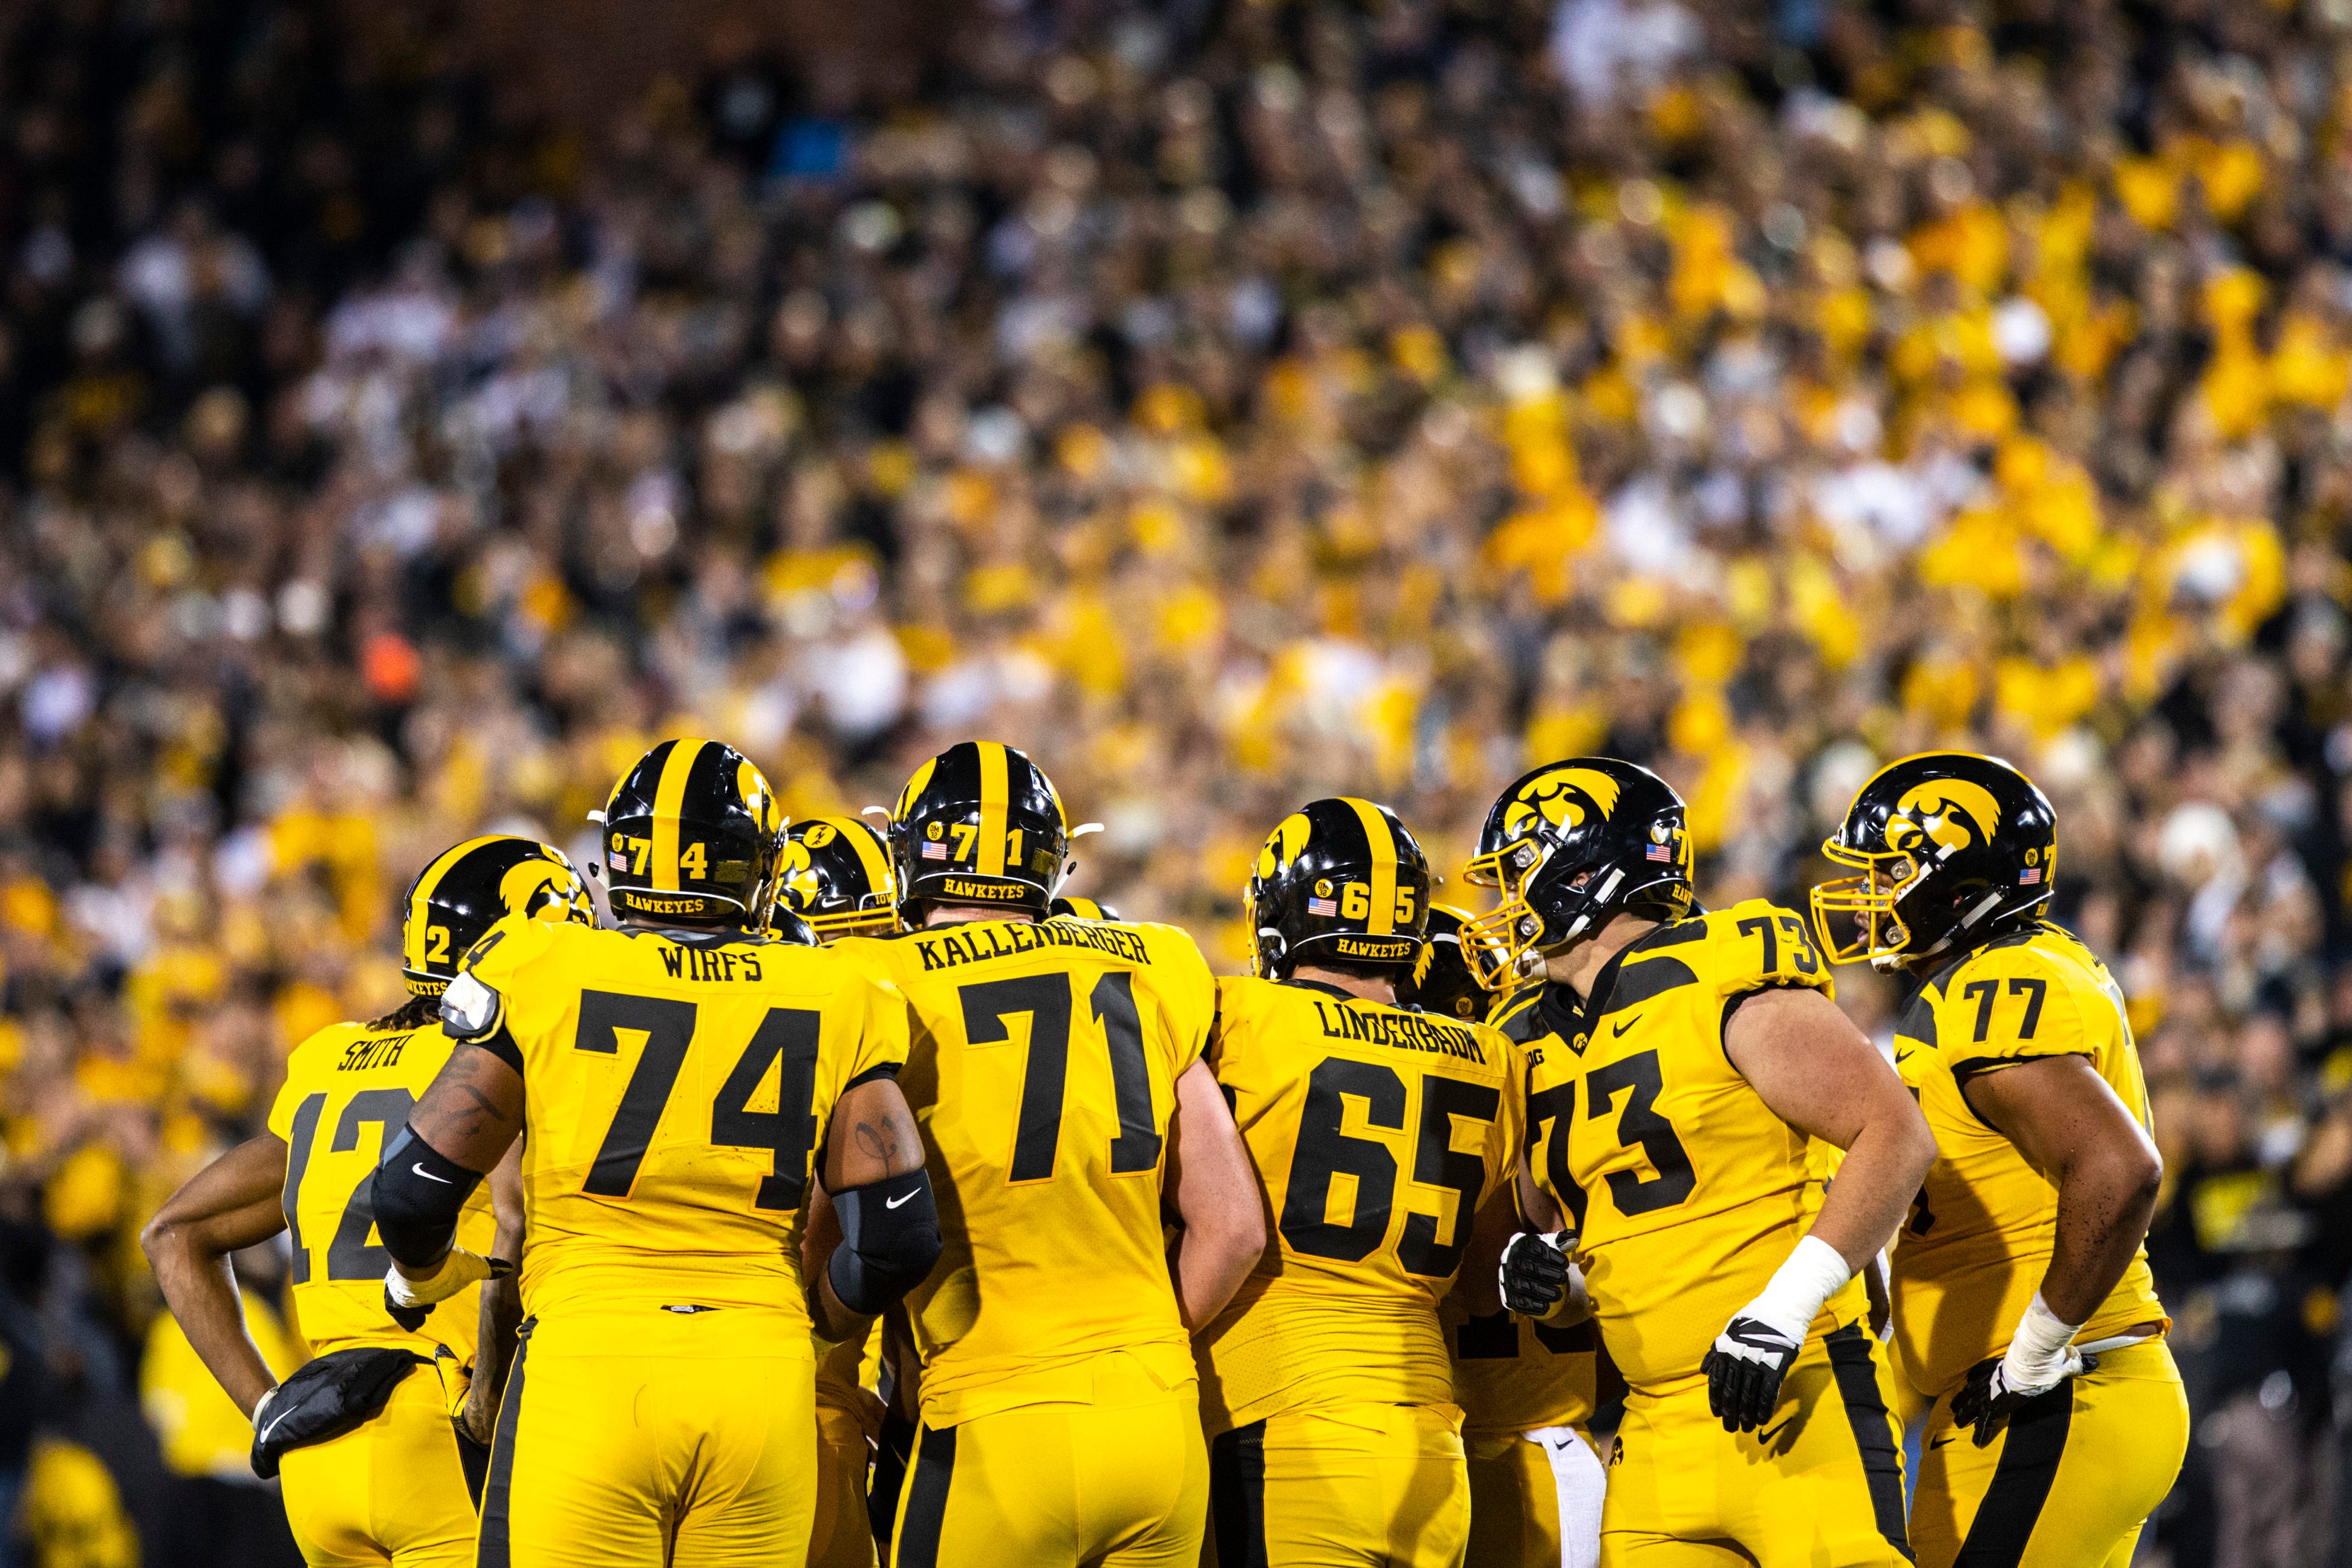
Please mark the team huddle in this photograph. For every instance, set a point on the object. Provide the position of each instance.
(857, 1191)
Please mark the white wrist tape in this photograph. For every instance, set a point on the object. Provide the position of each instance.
(1812, 1275)
(2037, 1350)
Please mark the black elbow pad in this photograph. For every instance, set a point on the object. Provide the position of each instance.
(419, 1193)
(889, 1240)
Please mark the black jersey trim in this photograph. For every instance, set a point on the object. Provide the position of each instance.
(1691, 928)
(1969, 1069)
(1325, 986)
(1917, 1020)
(501, 1043)
(2020, 1482)
(927, 1499)
(1649, 980)
(880, 1069)
(1733, 1003)
(1237, 1496)
(493, 1549)
(1865, 1412)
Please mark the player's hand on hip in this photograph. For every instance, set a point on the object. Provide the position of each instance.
(1536, 1275)
(1994, 1390)
(409, 1301)
(1745, 1368)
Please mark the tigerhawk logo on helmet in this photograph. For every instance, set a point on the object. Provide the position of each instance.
(1570, 846)
(1947, 845)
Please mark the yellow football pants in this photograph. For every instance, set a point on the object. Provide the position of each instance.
(1351, 1486)
(2068, 1482)
(1122, 1482)
(1819, 1485)
(393, 1490)
(842, 1536)
(688, 1449)
(1535, 1500)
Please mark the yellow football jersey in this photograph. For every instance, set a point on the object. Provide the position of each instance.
(1377, 1131)
(1686, 1190)
(676, 1090)
(1043, 1070)
(348, 1091)
(1973, 1252)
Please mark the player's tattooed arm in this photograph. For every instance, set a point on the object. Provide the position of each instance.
(501, 1312)
(1218, 1194)
(232, 1203)
(875, 1217)
(873, 1136)
(473, 1111)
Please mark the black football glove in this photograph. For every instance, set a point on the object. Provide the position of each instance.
(1536, 1273)
(1987, 1399)
(1745, 1368)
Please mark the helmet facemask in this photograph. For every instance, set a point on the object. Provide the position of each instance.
(1868, 900)
(1501, 946)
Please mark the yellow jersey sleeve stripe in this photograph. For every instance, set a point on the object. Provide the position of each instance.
(1384, 867)
(914, 788)
(869, 849)
(668, 795)
(995, 796)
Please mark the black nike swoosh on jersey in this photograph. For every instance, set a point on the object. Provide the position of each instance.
(1944, 1439)
(1617, 1030)
(1903, 1056)
(1769, 1433)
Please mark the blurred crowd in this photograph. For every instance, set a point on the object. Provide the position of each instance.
(1229, 402)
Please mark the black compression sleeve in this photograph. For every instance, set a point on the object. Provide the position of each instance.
(889, 1240)
(419, 1193)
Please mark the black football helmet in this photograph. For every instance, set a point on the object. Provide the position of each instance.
(1950, 846)
(470, 887)
(1082, 909)
(979, 824)
(693, 836)
(1339, 879)
(836, 876)
(1441, 981)
(1570, 846)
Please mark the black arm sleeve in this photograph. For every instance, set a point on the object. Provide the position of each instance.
(419, 1193)
(889, 1240)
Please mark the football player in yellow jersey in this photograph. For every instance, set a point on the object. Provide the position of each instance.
(2023, 1305)
(676, 1082)
(1054, 1070)
(1526, 1390)
(1379, 1131)
(836, 877)
(400, 1487)
(1680, 1061)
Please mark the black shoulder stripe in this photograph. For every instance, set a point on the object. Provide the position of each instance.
(1638, 983)
(1917, 1020)
(1516, 1015)
(501, 1044)
(1679, 934)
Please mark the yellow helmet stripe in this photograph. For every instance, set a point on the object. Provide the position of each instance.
(669, 795)
(995, 796)
(1384, 867)
(906, 796)
(869, 851)
(412, 936)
